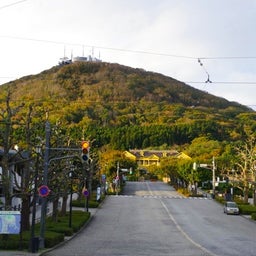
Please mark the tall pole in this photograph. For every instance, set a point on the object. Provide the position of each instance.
(45, 181)
(32, 242)
(213, 177)
(117, 178)
(87, 197)
(70, 201)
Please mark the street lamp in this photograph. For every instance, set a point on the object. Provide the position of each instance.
(71, 176)
(33, 240)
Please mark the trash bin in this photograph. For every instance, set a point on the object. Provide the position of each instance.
(35, 244)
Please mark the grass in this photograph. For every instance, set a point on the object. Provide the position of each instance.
(55, 232)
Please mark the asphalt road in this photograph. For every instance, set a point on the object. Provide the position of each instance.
(151, 218)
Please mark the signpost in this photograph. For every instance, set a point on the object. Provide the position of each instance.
(9, 222)
(86, 194)
(43, 191)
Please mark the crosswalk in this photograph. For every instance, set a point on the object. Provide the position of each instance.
(165, 197)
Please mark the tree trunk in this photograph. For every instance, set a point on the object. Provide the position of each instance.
(6, 181)
(55, 209)
(25, 213)
(246, 192)
(254, 196)
(64, 204)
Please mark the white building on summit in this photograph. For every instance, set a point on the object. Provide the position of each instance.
(66, 60)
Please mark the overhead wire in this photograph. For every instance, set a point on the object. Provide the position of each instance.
(222, 82)
(199, 59)
(9, 5)
(127, 50)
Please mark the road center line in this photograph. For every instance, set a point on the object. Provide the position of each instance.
(183, 232)
(150, 191)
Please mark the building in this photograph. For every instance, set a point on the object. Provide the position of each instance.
(146, 158)
(16, 163)
(66, 60)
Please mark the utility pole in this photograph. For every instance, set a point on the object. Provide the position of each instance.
(47, 162)
(117, 179)
(33, 239)
(45, 180)
(213, 177)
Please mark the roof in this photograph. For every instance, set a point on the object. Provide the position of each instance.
(148, 153)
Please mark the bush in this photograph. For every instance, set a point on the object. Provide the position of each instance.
(196, 195)
(81, 203)
(53, 238)
(220, 199)
(8, 242)
(61, 228)
(79, 218)
(54, 234)
(183, 191)
(247, 209)
(240, 201)
(253, 216)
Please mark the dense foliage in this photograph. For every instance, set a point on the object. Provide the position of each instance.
(125, 107)
(121, 108)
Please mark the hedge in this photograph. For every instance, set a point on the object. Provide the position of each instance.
(55, 232)
(247, 209)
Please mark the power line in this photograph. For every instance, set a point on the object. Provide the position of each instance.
(9, 5)
(227, 57)
(187, 82)
(219, 82)
(128, 50)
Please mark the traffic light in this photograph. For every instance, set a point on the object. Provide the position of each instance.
(85, 151)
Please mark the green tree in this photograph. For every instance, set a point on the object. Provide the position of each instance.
(203, 149)
(246, 163)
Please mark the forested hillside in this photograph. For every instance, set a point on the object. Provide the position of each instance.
(126, 107)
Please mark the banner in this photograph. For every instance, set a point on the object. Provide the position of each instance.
(9, 222)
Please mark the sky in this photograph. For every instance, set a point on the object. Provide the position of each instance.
(209, 45)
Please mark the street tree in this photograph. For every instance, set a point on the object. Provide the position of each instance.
(246, 163)
(7, 119)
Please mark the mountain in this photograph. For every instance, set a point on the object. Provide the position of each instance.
(97, 95)
(116, 83)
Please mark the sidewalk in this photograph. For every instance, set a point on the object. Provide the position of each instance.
(41, 252)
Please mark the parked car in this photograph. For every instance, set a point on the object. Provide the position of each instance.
(231, 208)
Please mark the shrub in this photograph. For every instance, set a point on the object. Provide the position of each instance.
(81, 203)
(220, 199)
(55, 232)
(253, 216)
(196, 195)
(247, 209)
(8, 242)
(183, 191)
(53, 238)
(79, 218)
(240, 201)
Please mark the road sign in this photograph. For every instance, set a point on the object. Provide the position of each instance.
(103, 177)
(85, 192)
(43, 191)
